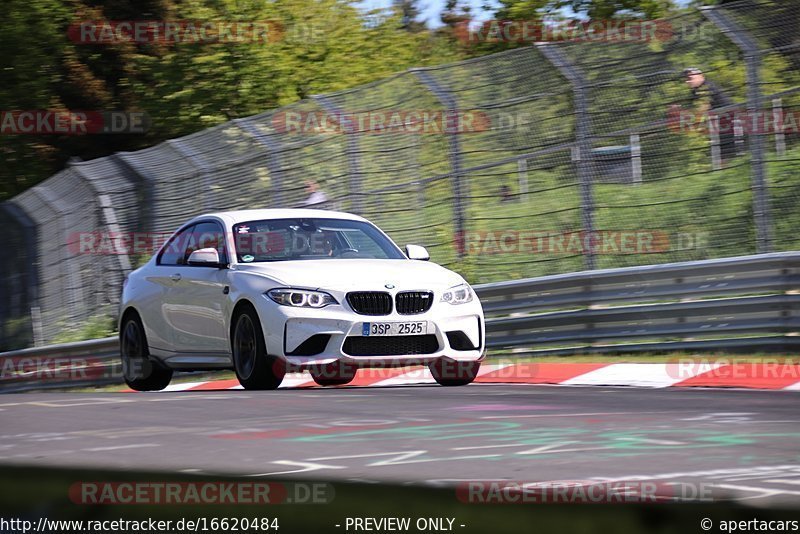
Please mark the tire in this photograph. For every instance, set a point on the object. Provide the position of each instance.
(334, 374)
(449, 372)
(254, 368)
(140, 372)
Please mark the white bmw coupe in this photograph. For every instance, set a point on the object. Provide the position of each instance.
(266, 291)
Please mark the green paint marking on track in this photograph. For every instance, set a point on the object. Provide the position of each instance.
(607, 443)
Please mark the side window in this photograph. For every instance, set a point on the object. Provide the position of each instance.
(173, 251)
(206, 235)
(364, 244)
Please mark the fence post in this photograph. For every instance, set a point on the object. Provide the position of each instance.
(36, 326)
(450, 105)
(351, 150)
(777, 123)
(273, 164)
(522, 171)
(636, 159)
(752, 58)
(738, 135)
(198, 163)
(144, 182)
(716, 151)
(108, 215)
(583, 138)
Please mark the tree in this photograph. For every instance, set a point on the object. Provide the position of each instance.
(409, 13)
(608, 9)
(44, 70)
(319, 46)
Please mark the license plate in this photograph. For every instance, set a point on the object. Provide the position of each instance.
(394, 329)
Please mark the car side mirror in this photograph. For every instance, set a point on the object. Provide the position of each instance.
(416, 252)
(204, 257)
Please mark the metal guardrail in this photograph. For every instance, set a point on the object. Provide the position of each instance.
(83, 363)
(742, 303)
(723, 304)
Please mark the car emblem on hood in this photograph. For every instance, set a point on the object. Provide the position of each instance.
(389, 286)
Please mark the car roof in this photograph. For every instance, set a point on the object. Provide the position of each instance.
(238, 216)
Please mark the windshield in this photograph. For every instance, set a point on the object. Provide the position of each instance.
(310, 239)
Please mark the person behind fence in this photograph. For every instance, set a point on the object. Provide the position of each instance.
(316, 197)
(708, 98)
(505, 193)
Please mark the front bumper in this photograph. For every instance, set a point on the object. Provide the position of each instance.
(286, 329)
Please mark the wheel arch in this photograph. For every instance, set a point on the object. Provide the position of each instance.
(129, 311)
(241, 305)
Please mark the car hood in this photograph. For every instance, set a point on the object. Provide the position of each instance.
(356, 274)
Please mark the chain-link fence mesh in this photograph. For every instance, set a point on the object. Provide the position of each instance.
(548, 158)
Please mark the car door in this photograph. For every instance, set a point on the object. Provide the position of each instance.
(197, 301)
(157, 314)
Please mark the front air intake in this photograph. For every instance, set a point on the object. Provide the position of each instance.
(312, 346)
(458, 340)
(390, 345)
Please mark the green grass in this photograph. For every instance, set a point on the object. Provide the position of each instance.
(693, 213)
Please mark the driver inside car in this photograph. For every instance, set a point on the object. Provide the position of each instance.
(320, 244)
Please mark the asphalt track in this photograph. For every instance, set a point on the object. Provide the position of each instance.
(739, 443)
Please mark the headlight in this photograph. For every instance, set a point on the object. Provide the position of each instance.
(460, 294)
(301, 298)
